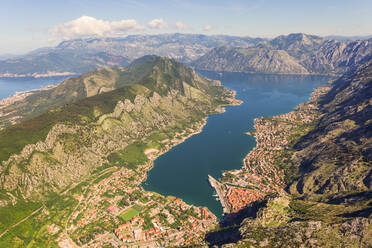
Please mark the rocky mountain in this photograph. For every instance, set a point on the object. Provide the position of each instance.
(83, 55)
(182, 47)
(291, 54)
(73, 89)
(108, 110)
(328, 171)
(341, 143)
(251, 60)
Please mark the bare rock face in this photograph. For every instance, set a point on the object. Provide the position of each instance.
(128, 106)
(139, 101)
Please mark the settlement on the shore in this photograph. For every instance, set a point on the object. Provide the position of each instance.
(260, 174)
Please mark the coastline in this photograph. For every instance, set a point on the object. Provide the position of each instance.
(37, 75)
(219, 190)
(176, 142)
(259, 174)
(220, 109)
(21, 95)
(208, 221)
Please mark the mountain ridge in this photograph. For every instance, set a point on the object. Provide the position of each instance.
(82, 55)
(161, 95)
(314, 54)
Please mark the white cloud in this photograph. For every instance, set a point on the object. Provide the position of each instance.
(87, 26)
(157, 24)
(181, 26)
(207, 28)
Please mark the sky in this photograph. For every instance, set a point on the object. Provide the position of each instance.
(29, 24)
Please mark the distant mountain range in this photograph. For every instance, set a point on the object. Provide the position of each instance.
(291, 54)
(347, 38)
(329, 177)
(53, 62)
(83, 55)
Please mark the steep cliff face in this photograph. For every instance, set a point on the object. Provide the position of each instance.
(291, 54)
(49, 152)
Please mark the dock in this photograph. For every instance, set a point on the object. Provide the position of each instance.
(219, 187)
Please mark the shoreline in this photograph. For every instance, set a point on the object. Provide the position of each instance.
(20, 96)
(219, 110)
(195, 128)
(37, 75)
(274, 74)
(218, 188)
(259, 176)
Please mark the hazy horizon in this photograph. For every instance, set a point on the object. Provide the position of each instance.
(9, 54)
(28, 25)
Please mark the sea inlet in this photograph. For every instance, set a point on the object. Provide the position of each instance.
(222, 144)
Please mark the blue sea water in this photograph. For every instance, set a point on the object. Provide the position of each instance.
(9, 86)
(223, 144)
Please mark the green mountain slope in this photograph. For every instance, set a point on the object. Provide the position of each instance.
(90, 84)
(65, 144)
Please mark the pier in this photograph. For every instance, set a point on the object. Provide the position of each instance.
(219, 187)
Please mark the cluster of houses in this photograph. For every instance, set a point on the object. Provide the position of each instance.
(102, 203)
(259, 174)
(239, 198)
(190, 230)
(132, 231)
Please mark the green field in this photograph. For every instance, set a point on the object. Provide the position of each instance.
(128, 214)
